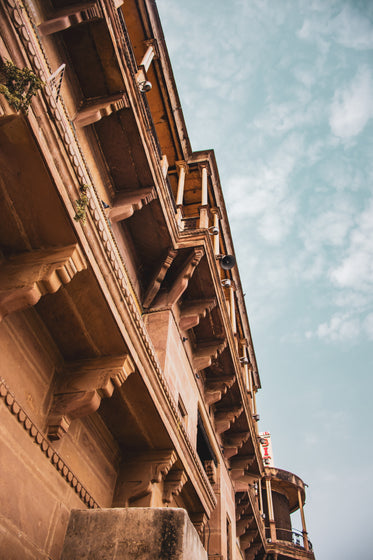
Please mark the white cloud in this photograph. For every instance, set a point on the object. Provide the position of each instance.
(352, 106)
(368, 325)
(263, 192)
(341, 327)
(356, 269)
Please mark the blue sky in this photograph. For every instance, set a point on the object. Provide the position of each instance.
(282, 90)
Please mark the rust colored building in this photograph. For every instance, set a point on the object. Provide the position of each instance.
(128, 374)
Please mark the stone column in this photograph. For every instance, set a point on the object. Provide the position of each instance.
(203, 219)
(182, 167)
(216, 238)
(232, 308)
(304, 528)
(272, 524)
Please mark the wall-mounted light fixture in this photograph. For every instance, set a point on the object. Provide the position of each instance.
(226, 283)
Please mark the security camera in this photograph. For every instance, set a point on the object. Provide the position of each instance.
(145, 86)
(213, 230)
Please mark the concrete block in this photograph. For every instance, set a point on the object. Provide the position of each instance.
(132, 533)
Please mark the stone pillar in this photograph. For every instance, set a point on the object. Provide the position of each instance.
(271, 516)
(182, 166)
(304, 528)
(203, 218)
(216, 238)
(232, 309)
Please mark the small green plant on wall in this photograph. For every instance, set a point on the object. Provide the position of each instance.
(81, 205)
(18, 85)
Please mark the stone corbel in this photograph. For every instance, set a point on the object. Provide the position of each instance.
(199, 521)
(216, 388)
(158, 278)
(193, 311)
(239, 468)
(140, 474)
(72, 16)
(94, 110)
(243, 524)
(181, 282)
(82, 386)
(234, 442)
(225, 418)
(25, 278)
(173, 484)
(126, 203)
(248, 538)
(210, 469)
(252, 551)
(206, 353)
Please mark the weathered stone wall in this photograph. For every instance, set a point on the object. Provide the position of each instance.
(132, 533)
(42, 481)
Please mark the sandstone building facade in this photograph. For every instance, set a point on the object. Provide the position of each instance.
(127, 370)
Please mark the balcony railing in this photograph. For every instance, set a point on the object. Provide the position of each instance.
(290, 536)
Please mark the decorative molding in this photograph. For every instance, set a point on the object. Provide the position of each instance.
(83, 384)
(72, 16)
(126, 203)
(45, 446)
(25, 278)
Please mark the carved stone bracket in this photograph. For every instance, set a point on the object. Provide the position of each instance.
(140, 474)
(216, 387)
(206, 353)
(193, 311)
(181, 281)
(248, 538)
(83, 385)
(225, 418)
(94, 110)
(199, 521)
(250, 554)
(74, 15)
(158, 278)
(243, 524)
(234, 442)
(210, 469)
(25, 278)
(173, 484)
(125, 204)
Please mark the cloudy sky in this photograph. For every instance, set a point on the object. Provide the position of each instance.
(283, 92)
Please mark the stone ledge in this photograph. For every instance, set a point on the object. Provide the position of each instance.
(132, 533)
